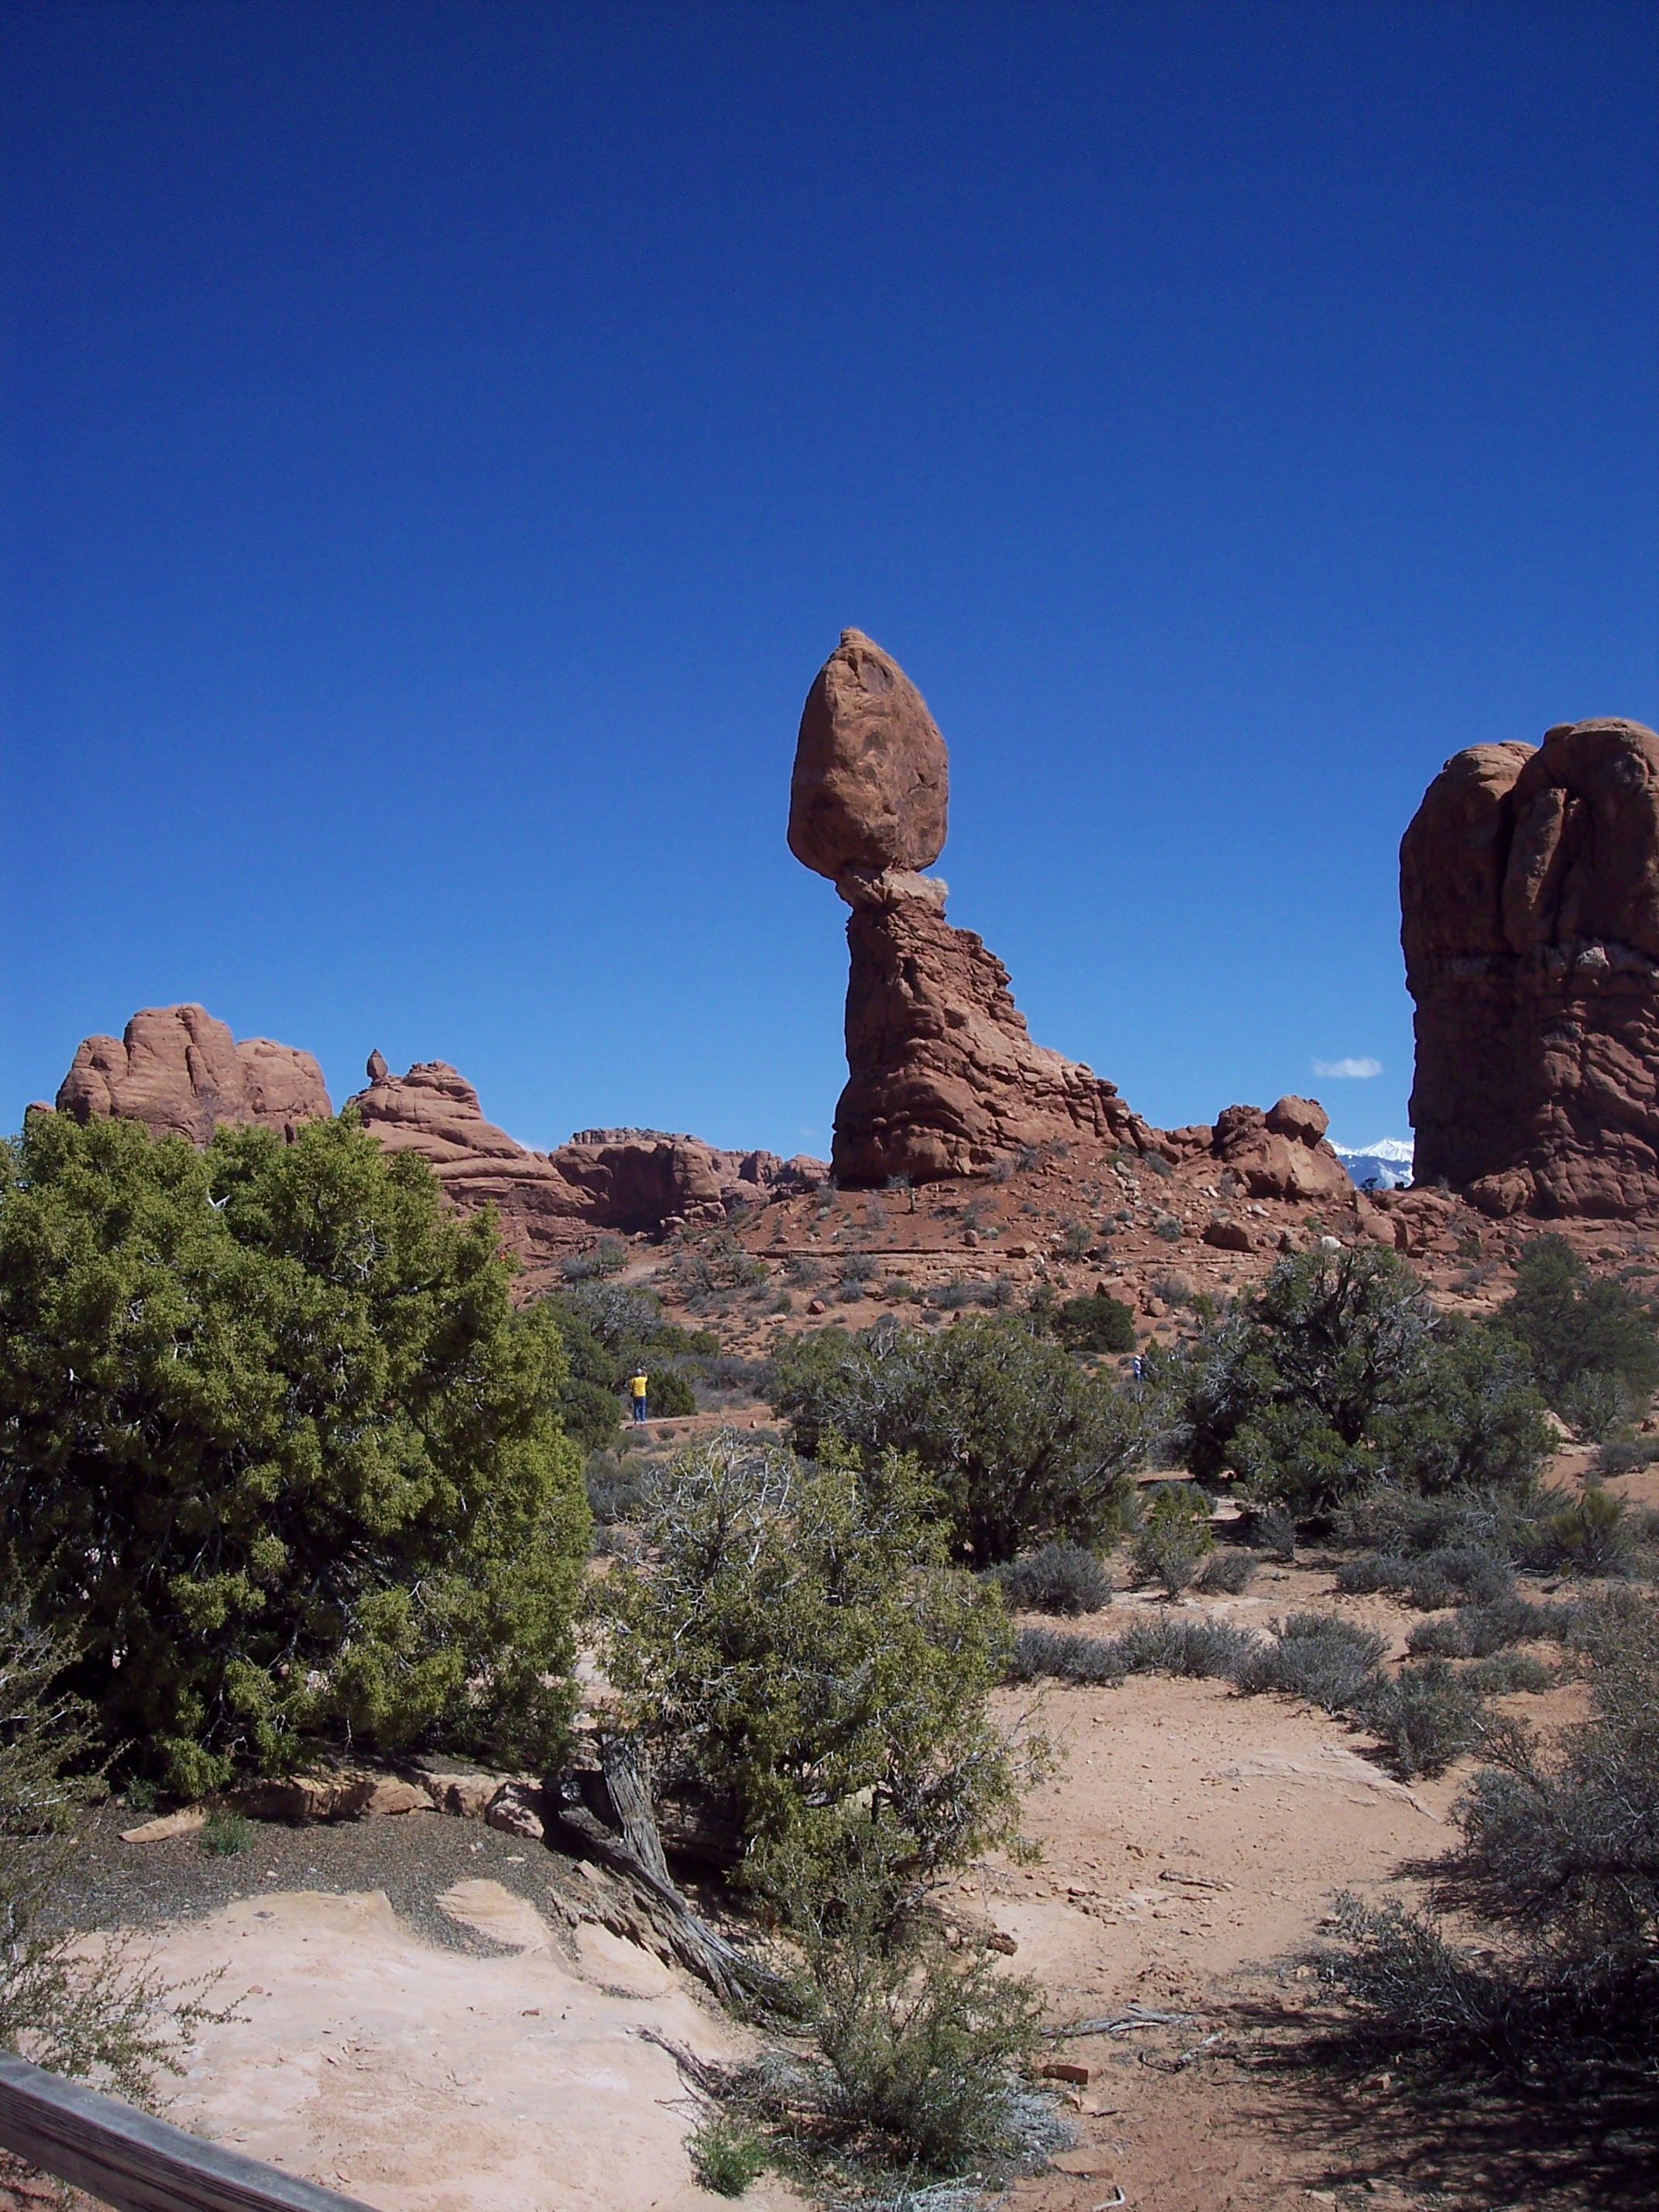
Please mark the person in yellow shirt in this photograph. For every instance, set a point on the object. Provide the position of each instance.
(639, 1389)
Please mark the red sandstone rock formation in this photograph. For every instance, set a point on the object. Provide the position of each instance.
(1529, 904)
(1281, 1153)
(944, 1078)
(178, 1071)
(872, 775)
(627, 1180)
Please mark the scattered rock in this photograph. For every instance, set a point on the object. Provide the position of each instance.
(1227, 1236)
(1068, 2069)
(331, 1794)
(490, 1909)
(1281, 1153)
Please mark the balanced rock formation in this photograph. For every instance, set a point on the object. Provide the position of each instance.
(1530, 917)
(180, 1072)
(943, 1076)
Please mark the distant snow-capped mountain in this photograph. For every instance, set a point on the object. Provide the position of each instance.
(1382, 1166)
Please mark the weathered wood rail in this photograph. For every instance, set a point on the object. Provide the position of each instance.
(135, 2162)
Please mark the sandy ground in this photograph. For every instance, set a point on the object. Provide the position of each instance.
(428, 2019)
(423, 2080)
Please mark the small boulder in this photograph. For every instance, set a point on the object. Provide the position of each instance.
(513, 1810)
(1225, 1236)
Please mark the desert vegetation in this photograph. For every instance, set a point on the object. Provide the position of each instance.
(285, 1475)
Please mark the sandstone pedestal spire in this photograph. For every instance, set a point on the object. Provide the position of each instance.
(944, 1078)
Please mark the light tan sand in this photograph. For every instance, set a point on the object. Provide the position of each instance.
(423, 2080)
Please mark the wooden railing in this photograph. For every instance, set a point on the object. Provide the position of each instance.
(137, 2163)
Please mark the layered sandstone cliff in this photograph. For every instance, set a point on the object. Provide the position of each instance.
(1529, 906)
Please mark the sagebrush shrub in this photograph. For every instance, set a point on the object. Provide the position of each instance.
(1174, 1537)
(1426, 1716)
(1062, 1578)
(1476, 1631)
(1167, 1646)
(1227, 1574)
(1330, 1661)
(1559, 1859)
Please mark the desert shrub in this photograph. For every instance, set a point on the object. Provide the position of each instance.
(614, 1487)
(725, 2155)
(275, 1445)
(1593, 1535)
(717, 1264)
(609, 1330)
(1400, 1523)
(1019, 1444)
(1166, 1646)
(1470, 1418)
(801, 1638)
(1624, 1454)
(1459, 1574)
(1337, 1375)
(608, 1257)
(1167, 1226)
(1272, 1531)
(1559, 1859)
(1426, 1716)
(1174, 1537)
(1475, 1632)
(1227, 1574)
(96, 2013)
(1155, 1164)
(1573, 1325)
(1174, 1290)
(1060, 1578)
(226, 1834)
(1509, 1670)
(1329, 1662)
(919, 2051)
(803, 1270)
(1595, 1405)
(1375, 1570)
(672, 1392)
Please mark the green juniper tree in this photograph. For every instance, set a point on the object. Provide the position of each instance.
(275, 1448)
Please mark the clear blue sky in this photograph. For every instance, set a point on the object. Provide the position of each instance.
(441, 442)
